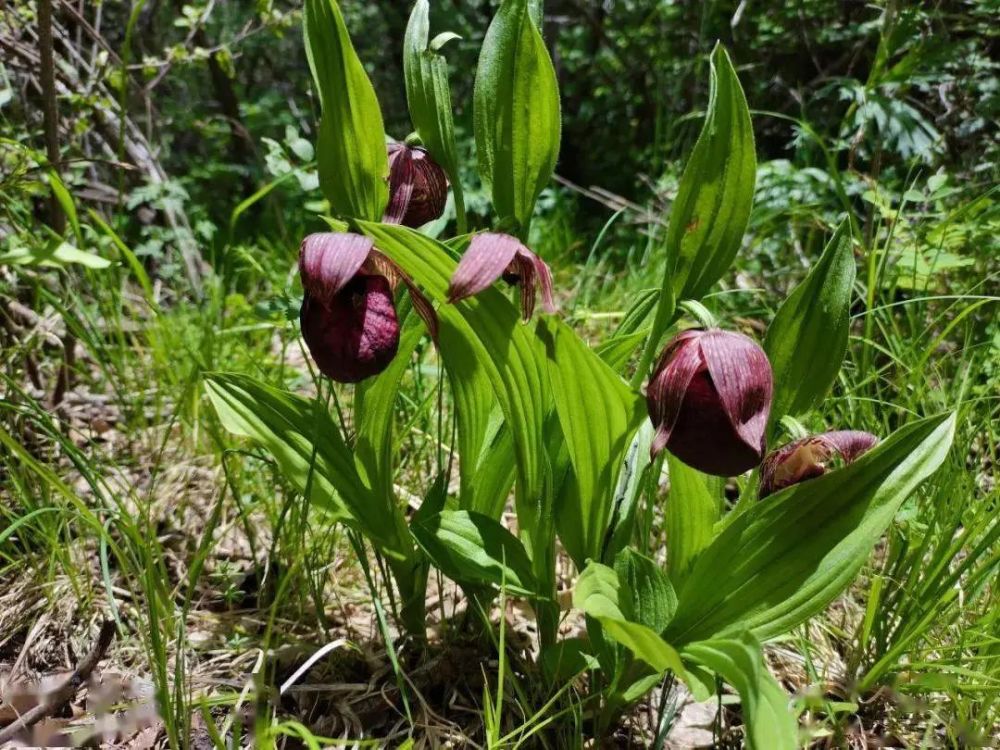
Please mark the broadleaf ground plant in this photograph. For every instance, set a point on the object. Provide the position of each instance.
(566, 426)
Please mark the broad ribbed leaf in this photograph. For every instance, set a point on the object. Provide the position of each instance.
(494, 476)
(374, 400)
(786, 558)
(598, 414)
(425, 72)
(307, 447)
(351, 152)
(693, 507)
(713, 201)
(473, 549)
(807, 339)
(516, 113)
(486, 328)
(600, 595)
(475, 404)
(653, 599)
(770, 725)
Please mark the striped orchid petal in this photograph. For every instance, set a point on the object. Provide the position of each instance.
(329, 260)
(674, 372)
(709, 400)
(491, 256)
(418, 187)
(348, 314)
(808, 458)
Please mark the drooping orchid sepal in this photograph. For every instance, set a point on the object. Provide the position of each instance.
(348, 315)
(809, 457)
(709, 400)
(418, 186)
(492, 256)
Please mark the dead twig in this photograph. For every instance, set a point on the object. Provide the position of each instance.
(65, 692)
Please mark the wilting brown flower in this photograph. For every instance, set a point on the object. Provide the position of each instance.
(418, 187)
(709, 399)
(807, 458)
(491, 256)
(348, 315)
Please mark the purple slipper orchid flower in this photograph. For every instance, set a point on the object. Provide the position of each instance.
(491, 256)
(709, 400)
(348, 314)
(418, 187)
(807, 458)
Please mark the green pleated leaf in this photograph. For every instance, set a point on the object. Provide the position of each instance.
(653, 599)
(494, 476)
(486, 329)
(425, 72)
(598, 414)
(516, 114)
(770, 725)
(473, 549)
(475, 406)
(374, 402)
(710, 213)
(786, 558)
(600, 595)
(807, 339)
(351, 151)
(693, 508)
(307, 446)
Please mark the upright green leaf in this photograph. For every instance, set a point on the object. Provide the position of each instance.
(425, 72)
(710, 213)
(653, 599)
(351, 152)
(489, 329)
(516, 113)
(494, 474)
(807, 339)
(475, 405)
(601, 595)
(770, 725)
(374, 400)
(471, 548)
(599, 414)
(692, 511)
(786, 558)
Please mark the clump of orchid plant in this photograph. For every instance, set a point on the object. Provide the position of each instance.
(545, 419)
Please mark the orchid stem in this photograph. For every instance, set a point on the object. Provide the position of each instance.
(461, 220)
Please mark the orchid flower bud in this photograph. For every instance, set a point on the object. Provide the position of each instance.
(491, 256)
(709, 399)
(348, 314)
(808, 458)
(418, 187)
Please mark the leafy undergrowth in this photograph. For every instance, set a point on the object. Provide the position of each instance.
(232, 550)
(127, 501)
